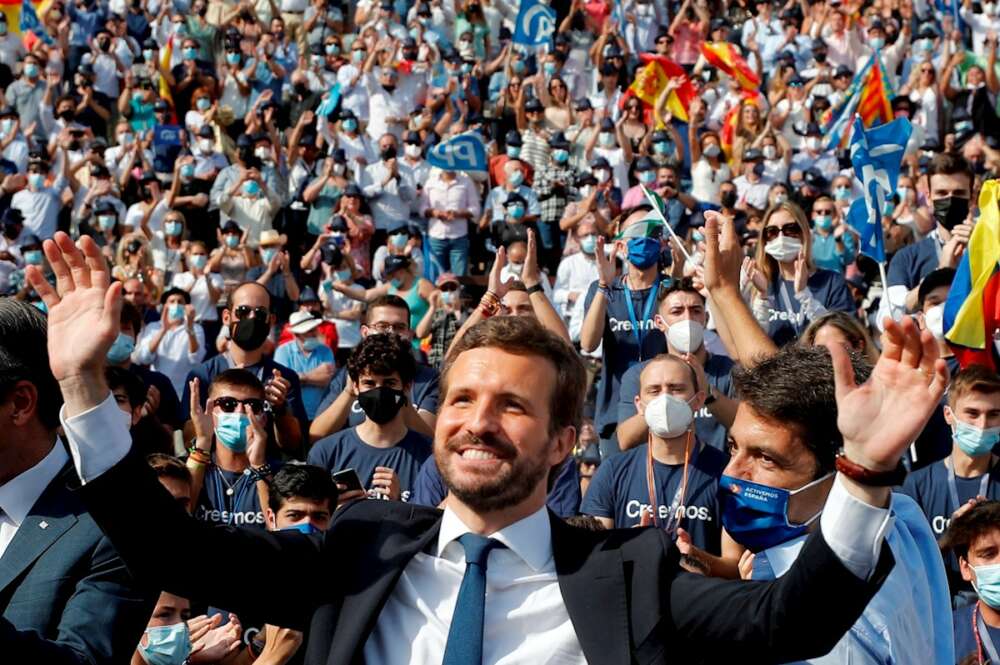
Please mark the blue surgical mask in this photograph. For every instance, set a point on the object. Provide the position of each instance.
(33, 257)
(30, 70)
(643, 252)
(518, 66)
(172, 228)
(876, 42)
(342, 275)
(588, 244)
(560, 156)
(986, 582)
(397, 283)
(106, 222)
(358, 55)
(120, 349)
(251, 188)
(549, 68)
(513, 151)
(232, 241)
(399, 240)
(190, 53)
(176, 311)
(972, 440)
(515, 178)
(203, 103)
(187, 171)
(756, 515)
(448, 297)
(198, 261)
(350, 125)
(147, 55)
(661, 147)
(305, 527)
(233, 58)
(515, 211)
(268, 254)
(36, 180)
(332, 49)
(311, 343)
(167, 645)
(231, 430)
(607, 139)
(646, 177)
(842, 193)
(823, 222)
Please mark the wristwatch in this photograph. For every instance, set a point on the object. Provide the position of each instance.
(537, 288)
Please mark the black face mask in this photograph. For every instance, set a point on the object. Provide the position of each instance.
(202, 10)
(728, 199)
(104, 44)
(11, 231)
(951, 211)
(301, 89)
(250, 334)
(388, 153)
(381, 404)
(389, 88)
(147, 194)
(66, 115)
(820, 57)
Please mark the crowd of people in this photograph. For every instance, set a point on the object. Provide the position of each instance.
(297, 280)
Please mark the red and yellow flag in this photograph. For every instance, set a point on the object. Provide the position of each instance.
(728, 134)
(875, 101)
(726, 57)
(651, 79)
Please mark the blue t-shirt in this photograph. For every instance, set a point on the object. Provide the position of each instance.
(290, 355)
(619, 491)
(718, 372)
(167, 146)
(929, 488)
(912, 263)
(423, 393)
(346, 450)
(621, 345)
(564, 499)
(786, 321)
(965, 640)
(229, 498)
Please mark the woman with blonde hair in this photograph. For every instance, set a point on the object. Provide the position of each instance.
(789, 291)
(844, 329)
(133, 260)
(749, 126)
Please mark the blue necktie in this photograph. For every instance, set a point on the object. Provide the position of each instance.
(465, 636)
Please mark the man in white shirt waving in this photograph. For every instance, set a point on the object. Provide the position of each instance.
(392, 583)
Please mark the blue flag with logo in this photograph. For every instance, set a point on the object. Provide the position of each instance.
(464, 152)
(29, 21)
(330, 101)
(536, 23)
(876, 155)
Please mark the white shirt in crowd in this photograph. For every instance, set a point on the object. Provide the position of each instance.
(204, 308)
(173, 356)
(575, 275)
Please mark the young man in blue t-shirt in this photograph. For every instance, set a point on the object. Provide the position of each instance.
(973, 413)
(385, 453)
(685, 471)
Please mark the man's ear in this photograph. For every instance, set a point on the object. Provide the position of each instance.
(270, 519)
(965, 568)
(949, 415)
(565, 441)
(660, 323)
(697, 401)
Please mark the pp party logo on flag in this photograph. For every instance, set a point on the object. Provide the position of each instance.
(535, 23)
(464, 152)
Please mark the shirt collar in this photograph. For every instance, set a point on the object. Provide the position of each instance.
(19, 494)
(529, 538)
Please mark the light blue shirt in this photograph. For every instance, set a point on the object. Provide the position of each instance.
(828, 256)
(909, 619)
(291, 355)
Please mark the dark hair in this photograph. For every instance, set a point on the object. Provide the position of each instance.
(935, 279)
(964, 529)
(301, 480)
(795, 388)
(682, 285)
(387, 300)
(131, 317)
(950, 163)
(383, 355)
(135, 389)
(974, 378)
(168, 466)
(524, 336)
(24, 356)
(237, 378)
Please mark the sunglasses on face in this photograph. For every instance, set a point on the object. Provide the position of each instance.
(825, 211)
(244, 311)
(791, 230)
(229, 404)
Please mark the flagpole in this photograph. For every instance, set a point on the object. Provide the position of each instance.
(659, 213)
(885, 289)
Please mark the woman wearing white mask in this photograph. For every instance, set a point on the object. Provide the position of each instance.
(789, 290)
(777, 155)
(708, 166)
(922, 89)
(173, 638)
(205, 287)
(611, 144)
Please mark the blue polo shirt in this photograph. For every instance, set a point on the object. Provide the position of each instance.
(619, 491)
(346, 450)
(621, 344)
(965, 639)
(912, 263)
(785, 319)
(564, 497)
(291, 355)
(423, 393)
(718, 373)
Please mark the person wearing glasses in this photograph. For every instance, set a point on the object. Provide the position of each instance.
(230, 490)
(246, 323)
(789, 290)
(834, 246)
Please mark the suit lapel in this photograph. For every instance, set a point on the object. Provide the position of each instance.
(50, 517)
(592, 582)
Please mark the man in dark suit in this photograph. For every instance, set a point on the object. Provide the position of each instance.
(395, 583)
(65, 596)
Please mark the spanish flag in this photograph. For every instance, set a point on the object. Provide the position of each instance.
(726, 57)
(728, 134)
(972, 311)
(650, 81)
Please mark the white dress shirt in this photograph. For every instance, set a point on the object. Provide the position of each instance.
(173, 357)
(575, 275)
(19, 494)
(526, 619)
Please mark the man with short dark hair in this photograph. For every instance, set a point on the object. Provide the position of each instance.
(66, 598)
(175, 477)
(382, 450)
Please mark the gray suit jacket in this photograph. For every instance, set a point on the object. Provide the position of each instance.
(65, 595)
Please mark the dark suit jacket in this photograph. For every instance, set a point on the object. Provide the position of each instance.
(625, 593)
(65, 595)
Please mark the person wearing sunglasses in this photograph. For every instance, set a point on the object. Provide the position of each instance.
(246, 326)
(834, 246)
(790, 291)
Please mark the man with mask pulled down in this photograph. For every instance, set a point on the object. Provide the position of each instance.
(248, 320)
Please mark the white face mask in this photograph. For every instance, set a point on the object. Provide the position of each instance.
(813, 143)
(262, 153)
(783, 249)
(668, 417)
(338, 169)
(770, 152)
(412, 150)
(686, 336)
(602, 175)
(205, 145)
(934, 320)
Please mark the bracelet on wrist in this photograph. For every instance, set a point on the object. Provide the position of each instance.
(867, 476)
(262, 472)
